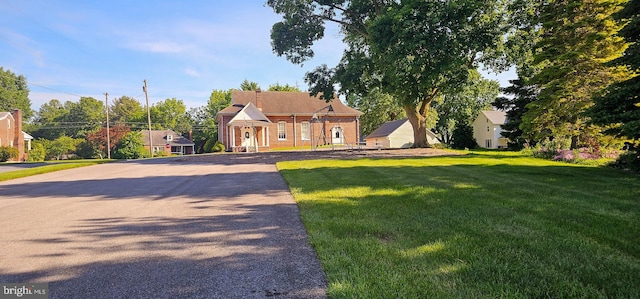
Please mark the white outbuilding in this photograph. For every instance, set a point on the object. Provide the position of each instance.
(395, 134)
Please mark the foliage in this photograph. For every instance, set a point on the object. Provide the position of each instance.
(629, 161)
(73, 119)
(515, 105)
(464, 105)
(377, 108)
(487, 225)
(38, 152)
(462, 136)
(208, 146)
(249, 85)
(97, 141)
(130, 147)
(577, 38)
(619, 107)
(218, 147)
(170, 114)
(286, 87)
(60, 147)
(8, 153)
(126, 110)
(411, 50)
(14, 93)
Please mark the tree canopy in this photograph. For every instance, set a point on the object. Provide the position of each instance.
(14, 93)
(619, 107)
(249, 85)
(411, 50)
(577, 39)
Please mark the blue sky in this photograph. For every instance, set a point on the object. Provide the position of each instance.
(184, 49)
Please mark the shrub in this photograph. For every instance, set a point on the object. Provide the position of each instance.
(462, 137)
(218, 147)
(37, 152)
(208, 146)
(629, 160)
(8, 153)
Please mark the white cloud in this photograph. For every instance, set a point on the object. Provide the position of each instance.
(192, 72)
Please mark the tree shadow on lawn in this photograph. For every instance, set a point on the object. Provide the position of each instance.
(255, 252)
(473, 230)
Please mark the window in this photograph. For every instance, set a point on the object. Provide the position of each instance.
(304, 131)
(488, 129)
(488, 143)
(169, 137)
(282, 130)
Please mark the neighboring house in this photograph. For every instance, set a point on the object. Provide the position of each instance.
(168, 142)
(396, 134)
(11, 134)
(487, 129)
(262, 120)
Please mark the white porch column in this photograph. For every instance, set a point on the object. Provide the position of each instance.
(232, 134)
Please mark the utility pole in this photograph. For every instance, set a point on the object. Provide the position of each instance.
(106, 102)
(146, 95)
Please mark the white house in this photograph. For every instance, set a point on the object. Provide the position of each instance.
(395, 134)
(487, 129)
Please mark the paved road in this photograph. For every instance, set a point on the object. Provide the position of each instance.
(164, 228)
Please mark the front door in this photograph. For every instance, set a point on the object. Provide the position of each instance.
(337, 135)
(248, 139)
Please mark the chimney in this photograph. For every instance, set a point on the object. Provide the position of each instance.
(18, 137)
(259, 99)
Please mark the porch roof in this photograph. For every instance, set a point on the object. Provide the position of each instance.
(249, 116)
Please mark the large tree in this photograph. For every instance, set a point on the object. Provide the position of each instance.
(249, 85)
(514, 103)
(127, 111)
(286, 87)
(14, 93)
(619, 107)
(170, 114)
(377, 108)
(461, 107)
(412, 50)
(577, 38)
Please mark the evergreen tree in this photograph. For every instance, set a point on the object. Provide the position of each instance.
(520, 95)
(577, 38)
(619, 106)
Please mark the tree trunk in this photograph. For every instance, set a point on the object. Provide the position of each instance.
(418, 122)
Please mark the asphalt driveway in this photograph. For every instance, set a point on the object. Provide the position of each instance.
(163, 228)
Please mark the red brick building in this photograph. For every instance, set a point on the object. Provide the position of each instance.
(11, 134)
(262, 120)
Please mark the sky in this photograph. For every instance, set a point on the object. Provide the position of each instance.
(184, 49)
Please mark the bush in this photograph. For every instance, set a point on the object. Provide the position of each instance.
(37, 152)
(8, 153)
(218, 147)
(208, 146)
(629, 160)
(462, 137)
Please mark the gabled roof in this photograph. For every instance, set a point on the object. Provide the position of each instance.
(496, 117)
(4, 115)
(159, 138)
(250, 114)
(286, 103)
(387, 128)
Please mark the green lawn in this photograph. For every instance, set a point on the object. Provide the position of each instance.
(484, 225)
(48, 167)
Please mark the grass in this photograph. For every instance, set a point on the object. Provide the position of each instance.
(485, 225)
(48, 167)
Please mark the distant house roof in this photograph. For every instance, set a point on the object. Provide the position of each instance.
(496, 117)
(159, 137)
(387, 128)
(286, 103)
